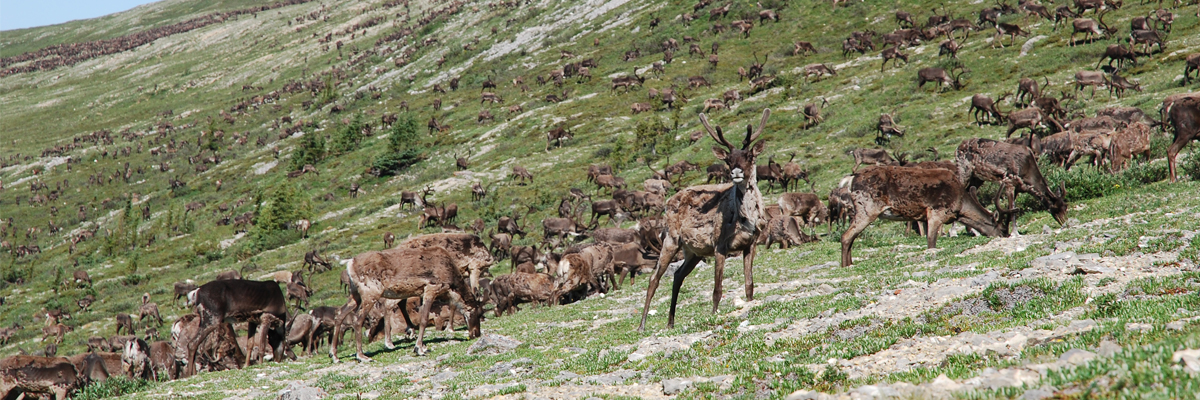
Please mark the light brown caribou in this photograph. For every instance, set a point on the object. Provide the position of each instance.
(913, 194)
(430, 273)
(714, 220)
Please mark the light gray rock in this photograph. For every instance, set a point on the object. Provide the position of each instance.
(722, 380)
(950, 291)
(1190, 359)
(492, 344)
(1036, 394)
(1028, 46)
(612, 378)
(804, 395)
(1009, 377)
(675, 385)
(667, 345)
(825, 288)
(444, 376)
(1091, 268)
(1136, 326)
(1108, 348)
(298, 391)
(565, 375)
(944, 385)
(877, 391)
(1077, 356)
(1175, 326)
(500, 368)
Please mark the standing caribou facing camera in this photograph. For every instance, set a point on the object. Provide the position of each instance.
(714, 220)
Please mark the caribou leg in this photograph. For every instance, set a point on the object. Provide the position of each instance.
(409, 326)
(858, 223)
(364, 309)
(1173, 151)
(669, 250)
(431, 294)
(933, 227)
(718, 276)
(689, 263)
(387, 330)
(748, 270)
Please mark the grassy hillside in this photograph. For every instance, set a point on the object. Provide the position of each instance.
(246, 77)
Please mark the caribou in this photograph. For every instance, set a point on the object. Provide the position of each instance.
(714, 220)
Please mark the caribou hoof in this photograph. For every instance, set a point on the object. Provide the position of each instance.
(387, 343)
(364, 358)
(422, 351)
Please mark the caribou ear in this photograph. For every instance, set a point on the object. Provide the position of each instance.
(720, 152)
(758, 147)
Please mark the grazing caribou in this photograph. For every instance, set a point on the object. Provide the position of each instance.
(430, 273)
(22, 374)
(1014, 167)
(941, 77)
(470, 248)
(982, 104)
(934, 196)
(219, 302)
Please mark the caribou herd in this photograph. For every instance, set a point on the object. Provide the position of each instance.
(445, 280)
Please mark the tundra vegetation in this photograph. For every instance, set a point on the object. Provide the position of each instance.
(150, 153)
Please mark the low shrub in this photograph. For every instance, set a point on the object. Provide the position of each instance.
(112, 387)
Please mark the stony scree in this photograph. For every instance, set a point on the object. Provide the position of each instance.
(492, 344)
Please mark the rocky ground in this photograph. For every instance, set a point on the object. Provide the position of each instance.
(926, 292)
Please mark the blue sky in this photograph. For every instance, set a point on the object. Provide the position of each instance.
(17, 14)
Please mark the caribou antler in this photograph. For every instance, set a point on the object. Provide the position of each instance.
(717, 134)
(752, 133)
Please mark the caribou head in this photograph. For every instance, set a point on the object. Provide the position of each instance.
(740, 160)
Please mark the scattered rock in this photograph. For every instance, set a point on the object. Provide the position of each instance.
(1091, 268)
(1135, 326)
(492, 344)
(612, 378)
(675, 385)
(299, 391)
(877, 391)
(825, 288)
(804, 395)
(1077, 356)
(667, 345)
(1175, 326)
(944, 384)
(1036, 394)
(444, 376)
(1190, 359)
(1028, 46)
(1108, 348)
(500, 368)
